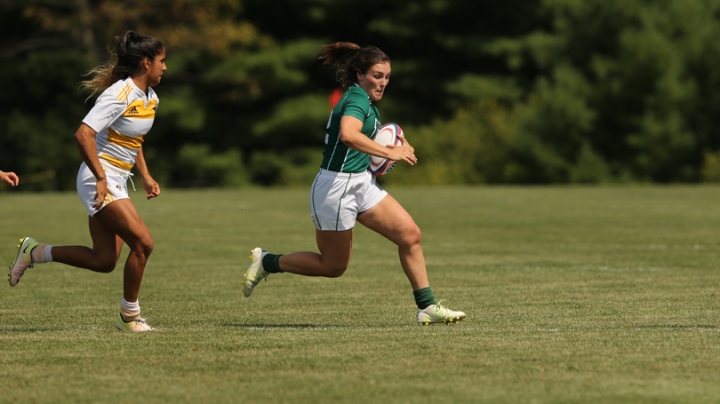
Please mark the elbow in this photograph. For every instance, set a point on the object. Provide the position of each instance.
(84, 134)
(347, 140)
(80, 138)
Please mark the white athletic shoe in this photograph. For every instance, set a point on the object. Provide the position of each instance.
(437, 313)
(255, 272)
(23, 260)
(137, 324)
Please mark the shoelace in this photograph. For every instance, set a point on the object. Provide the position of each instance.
(440, 309)
(142, 321)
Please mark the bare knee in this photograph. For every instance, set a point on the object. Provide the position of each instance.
(410, 237)
(335, 271)
(105, 264)
(148, 246)
(144, 247)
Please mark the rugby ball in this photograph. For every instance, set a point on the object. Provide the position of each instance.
(390, 133)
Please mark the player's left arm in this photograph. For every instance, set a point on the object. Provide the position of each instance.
(151, 186)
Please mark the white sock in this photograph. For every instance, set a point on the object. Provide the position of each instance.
(129, 310)
(42, 253)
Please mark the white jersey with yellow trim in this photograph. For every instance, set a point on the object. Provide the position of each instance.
(122, 115)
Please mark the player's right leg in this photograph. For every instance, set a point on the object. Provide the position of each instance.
(333, 208)
(255, 272)
(102, 257)
(23, 260)
(332, 261)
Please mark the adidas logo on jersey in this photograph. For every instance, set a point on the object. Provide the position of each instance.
(133, 111)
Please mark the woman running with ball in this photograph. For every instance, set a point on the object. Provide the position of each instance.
(110, 140)
(344, 192)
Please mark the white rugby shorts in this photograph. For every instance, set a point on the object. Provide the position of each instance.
(336, 199)
(86, 187)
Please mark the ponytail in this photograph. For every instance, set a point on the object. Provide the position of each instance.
(127, 51)
(349, 59)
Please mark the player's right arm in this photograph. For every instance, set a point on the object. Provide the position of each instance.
(85, 137)
(106, 110)
(351, 134)
(353, 108)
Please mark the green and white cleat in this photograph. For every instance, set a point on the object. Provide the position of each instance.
(437, 313)
(23, 260)
(137, 324)
(255, 272)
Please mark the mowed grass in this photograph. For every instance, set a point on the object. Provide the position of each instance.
(572, 295)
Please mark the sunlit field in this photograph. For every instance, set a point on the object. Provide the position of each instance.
(572, 295)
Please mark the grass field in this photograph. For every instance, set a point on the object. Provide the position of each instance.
(572, 295)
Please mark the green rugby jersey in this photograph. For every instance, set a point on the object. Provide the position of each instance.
(337, 156)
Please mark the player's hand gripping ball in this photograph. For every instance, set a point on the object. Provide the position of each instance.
(390, 133)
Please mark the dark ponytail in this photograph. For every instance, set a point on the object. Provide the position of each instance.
(127, 51)
(349, 59)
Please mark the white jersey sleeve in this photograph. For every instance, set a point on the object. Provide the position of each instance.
(107, 109)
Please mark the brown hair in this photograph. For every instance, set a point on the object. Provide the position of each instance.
(349, 59)
(127, 51)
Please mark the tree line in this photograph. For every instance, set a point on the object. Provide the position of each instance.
(525, 92)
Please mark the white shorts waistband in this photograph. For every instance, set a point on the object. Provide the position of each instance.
(328, 173)
(117, 170)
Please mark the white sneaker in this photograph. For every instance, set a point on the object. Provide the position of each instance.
(255, 272)
(23, 260)
(137, 324)
(437, 313)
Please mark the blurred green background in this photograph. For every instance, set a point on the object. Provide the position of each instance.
(517, 91)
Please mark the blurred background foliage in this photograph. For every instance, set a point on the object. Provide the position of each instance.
(527, 92)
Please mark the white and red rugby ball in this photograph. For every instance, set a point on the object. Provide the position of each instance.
(390, 133)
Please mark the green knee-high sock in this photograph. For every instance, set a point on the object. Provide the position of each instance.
(424, 297)
(271, 263)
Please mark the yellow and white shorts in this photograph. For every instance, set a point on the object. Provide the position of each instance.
(336, 199)
(87, 189)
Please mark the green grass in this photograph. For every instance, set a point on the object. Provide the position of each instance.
(572, 295)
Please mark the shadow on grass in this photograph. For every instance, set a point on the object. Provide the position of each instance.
(684, 326)
(275, 325)
(28, 330)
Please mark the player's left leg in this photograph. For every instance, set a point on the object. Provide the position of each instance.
(122, 218)
(391, 220)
